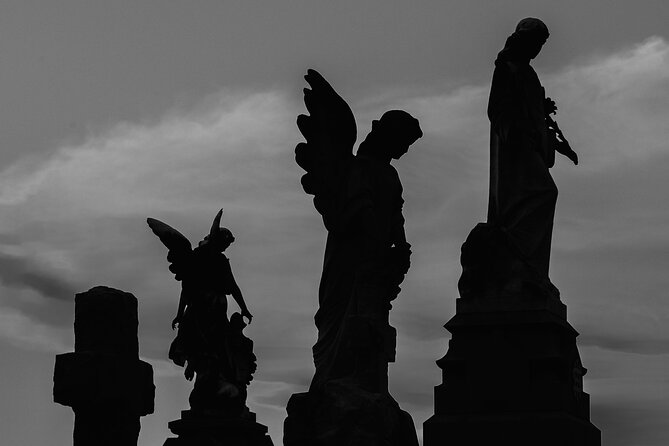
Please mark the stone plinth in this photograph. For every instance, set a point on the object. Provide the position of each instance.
(512, 375)
(347, 415)
(104, 382)
(217, 429)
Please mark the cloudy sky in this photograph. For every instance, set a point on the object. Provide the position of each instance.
(115, 111)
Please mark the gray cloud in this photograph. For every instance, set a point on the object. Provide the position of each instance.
(626, 343)
(236, 153)
(627, 422)
(421, 326)
(280, 398)
(21, 272)
(620, 302)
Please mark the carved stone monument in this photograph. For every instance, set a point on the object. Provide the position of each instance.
(104, 382)
(512, 373)
(366, 258)
(212, 349)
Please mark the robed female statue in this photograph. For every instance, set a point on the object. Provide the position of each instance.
(511, 252)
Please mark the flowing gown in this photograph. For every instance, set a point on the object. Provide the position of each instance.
(522, 192)
(206, 337)
(357, 277)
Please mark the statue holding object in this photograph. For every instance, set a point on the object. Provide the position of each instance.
(212, 348)
(512, 373)
(510, 253)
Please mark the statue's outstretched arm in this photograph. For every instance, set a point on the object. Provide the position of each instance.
(237, 296)
(236, 293)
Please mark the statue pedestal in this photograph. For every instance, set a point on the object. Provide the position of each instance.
(210, 429)
(342, 414)
(512, 375)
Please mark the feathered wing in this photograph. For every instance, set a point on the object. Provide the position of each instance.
(330, 133)
(179, 248)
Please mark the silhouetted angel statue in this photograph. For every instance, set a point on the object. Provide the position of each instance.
(367, 255)
(212, 349)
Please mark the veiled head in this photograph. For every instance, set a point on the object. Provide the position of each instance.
(528, 38)
(532, 25)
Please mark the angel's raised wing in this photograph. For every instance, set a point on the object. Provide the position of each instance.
(179, 248)
(330, 132)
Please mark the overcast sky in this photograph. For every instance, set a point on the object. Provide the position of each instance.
(115, 111)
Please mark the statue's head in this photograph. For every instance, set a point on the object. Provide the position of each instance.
(529, 37)
(394, 133)
(218, 238)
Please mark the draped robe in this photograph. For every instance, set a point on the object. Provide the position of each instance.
(206, 338)
(522, 192)
(358, 277)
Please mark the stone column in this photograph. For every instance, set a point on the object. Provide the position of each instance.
(104, 382)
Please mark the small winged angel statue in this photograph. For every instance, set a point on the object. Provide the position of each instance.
(212, 348)
(366, 256)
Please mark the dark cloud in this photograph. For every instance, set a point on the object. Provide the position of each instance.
(240, 158)
(616, 293)
(9, 239)
(287, 368)
(22, 272)
(623, 193)
(422, 326)
(289, 365)
(280, 398)
(627, 344)
(628, 272)
(632, 422)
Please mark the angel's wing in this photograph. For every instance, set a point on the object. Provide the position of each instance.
(330, 134)
(179, 248)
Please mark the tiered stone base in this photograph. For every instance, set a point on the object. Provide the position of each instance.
(342, 415)
(512, 375)
(199, 429)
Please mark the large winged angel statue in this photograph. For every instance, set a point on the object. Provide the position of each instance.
(212, 348)
(366, 256)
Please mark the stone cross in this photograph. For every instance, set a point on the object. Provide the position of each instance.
(104, 382)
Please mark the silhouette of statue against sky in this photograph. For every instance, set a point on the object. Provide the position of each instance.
(512, 373)
(366, 259)
(523, 142)
(212, 349)
(367, 255)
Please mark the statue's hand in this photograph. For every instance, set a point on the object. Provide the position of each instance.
(565, 149)
(573, 156)
(175, 323)
(247, 315)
